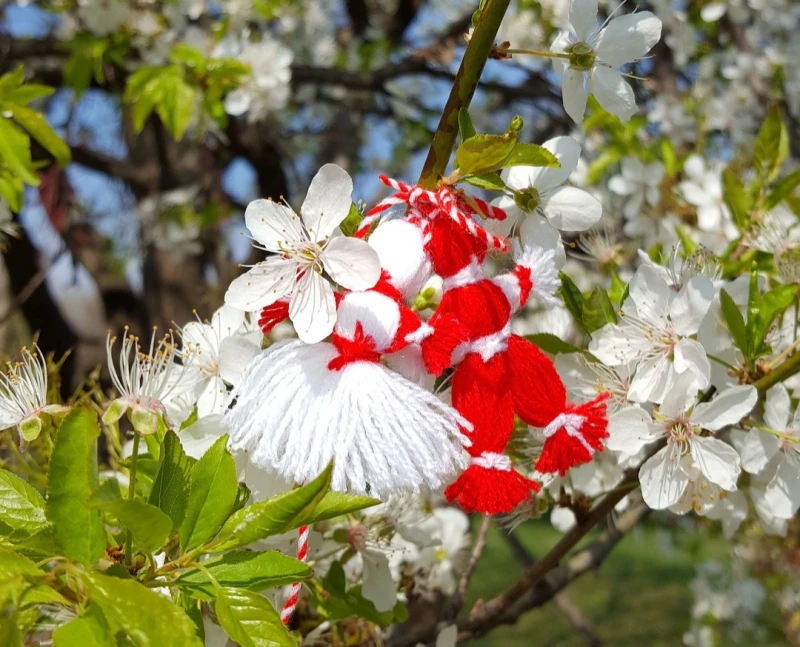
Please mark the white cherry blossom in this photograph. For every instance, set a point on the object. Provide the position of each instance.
(538, 197)
(595, 52)
(304, 248)
(654, 333)
(639, 182)
(688, 454)
(218, 350)
(23, 396)
(774, 458)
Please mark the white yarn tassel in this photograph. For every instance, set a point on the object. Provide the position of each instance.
(544, 275)
(385, 435)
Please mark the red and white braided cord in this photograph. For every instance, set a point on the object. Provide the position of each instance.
(426, 205)
(294, 594)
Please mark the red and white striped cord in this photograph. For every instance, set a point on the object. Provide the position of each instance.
(427, 205)
(294, 594)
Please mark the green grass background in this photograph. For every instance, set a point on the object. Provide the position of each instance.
(640, 596)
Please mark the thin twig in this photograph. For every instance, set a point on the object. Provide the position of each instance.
(457, 600)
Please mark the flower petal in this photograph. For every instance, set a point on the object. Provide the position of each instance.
(757, 449)
(235, 353)
(572, 209)
(777, 408)
(690, 306)
(718, 461)
(583, 17)
(262, 285)
(689, 355)
(212, 399)
(377, 584)
(273, 224)
(627, 38)
(653, 379)
(327, 202)
(536, 230)
(630, 431)
(728, 408)
(198, 437)
(352, 263)
(662, 480)
(650, 294)
(613, 92)
(568, 152)
(227, 321)
(783, 492)
(573, 94)
(312, 308)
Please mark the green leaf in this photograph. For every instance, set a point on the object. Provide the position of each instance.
(484, 153)
(531, 155)
(11, 82)
(600, 165)
(24, 94)
(783, 189)
(18, 574)
(552, 344)
(254, 571)
(735, 196)
(41, 131)
(22, 508)
(753, 300)
(10, 635)
(335, 504)
(211, 497)
(687, 242)
(669, 157)
(772, 146)
(90, 629)
(273, 516)
(72, 484)
(353, 220)
(465, 127)
(488, 181)
(771, 305)
(598, 310)
(572, 298)
(148, 618)
(16, 152)
(734, 321)
(343, 603)
(149, 526)
(11, 189)
(170, 491)
(251, 620)
(176, 105)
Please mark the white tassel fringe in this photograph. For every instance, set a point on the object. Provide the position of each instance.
(385, 435)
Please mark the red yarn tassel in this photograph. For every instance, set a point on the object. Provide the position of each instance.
(573, 437)
(437, 349)
(272, 315)
(489, 490)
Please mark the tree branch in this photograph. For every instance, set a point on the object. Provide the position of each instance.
(584, 561)
(464, 86)
(562, 601)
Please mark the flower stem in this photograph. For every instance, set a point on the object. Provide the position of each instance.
(467, 78)
(783, 372)
(779, 434)
(131, 493)
(537, 52)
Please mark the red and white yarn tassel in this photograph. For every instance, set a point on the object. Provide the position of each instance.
(294, 594)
